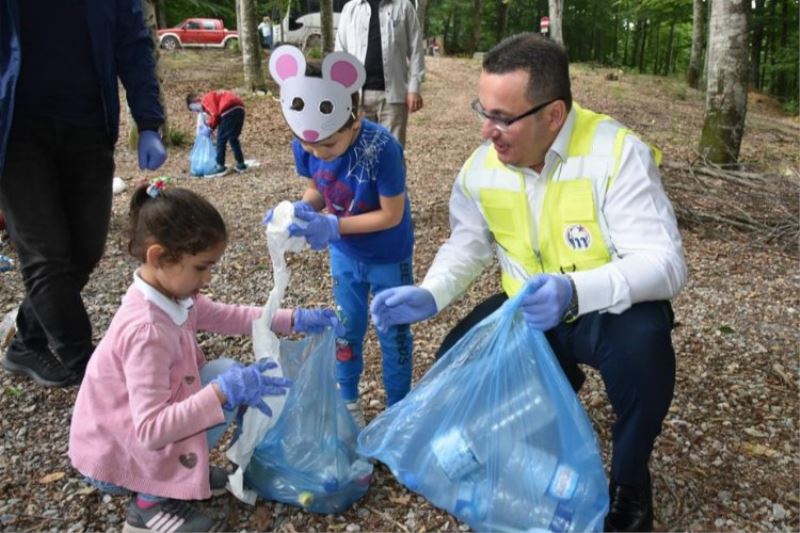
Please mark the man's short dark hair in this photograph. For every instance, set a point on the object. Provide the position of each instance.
(544, 60)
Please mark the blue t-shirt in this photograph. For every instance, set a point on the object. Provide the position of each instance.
(351, 184)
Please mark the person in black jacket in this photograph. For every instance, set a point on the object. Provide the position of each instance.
(59, 122)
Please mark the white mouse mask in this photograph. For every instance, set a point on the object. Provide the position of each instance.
(316, 108)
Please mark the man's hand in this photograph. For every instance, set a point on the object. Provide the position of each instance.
(401, 305)
(414, 102)
(546, 300)
(151, 150)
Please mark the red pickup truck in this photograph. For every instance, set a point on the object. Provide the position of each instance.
(197, 32)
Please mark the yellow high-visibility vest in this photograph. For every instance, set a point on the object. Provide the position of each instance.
(570, 235)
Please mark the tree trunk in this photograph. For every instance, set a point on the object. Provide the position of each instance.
(149, 10)
(251, 48)
(781, 80)
(326, 25)
(422, 14)
(657, 60)
(758, 41)
(668, 57)
(161, 13)
(556, 17)
(643, 46)
(726, 94)
(475, 34)
(695, 63)
(502, 19)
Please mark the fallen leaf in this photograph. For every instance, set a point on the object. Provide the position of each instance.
(54, 476)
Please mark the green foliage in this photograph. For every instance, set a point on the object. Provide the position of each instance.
(178, 10)
(176, 137)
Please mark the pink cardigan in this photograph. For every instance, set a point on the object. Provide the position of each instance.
(140, 417)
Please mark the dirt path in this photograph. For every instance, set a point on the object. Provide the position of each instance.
(728, 456)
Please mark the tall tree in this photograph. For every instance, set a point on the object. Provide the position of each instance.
(475, 34)
(726, 92)
(758, 40)
(556, 20)
(326, 25)
(250, 45)
(693, 74)
(161, 13)
(422, 15)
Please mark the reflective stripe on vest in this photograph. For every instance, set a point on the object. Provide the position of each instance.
(570, 235)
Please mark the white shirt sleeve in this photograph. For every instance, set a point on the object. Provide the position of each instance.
(416, 52)
(465, 253)
(648, 259)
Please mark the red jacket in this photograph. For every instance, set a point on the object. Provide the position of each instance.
(216, 103)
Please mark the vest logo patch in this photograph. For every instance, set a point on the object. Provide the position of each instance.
(578, 237)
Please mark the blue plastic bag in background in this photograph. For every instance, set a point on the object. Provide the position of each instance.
(203, 157)
(308, 458)
(494, 434)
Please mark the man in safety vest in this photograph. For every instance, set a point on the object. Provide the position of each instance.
(571, 204)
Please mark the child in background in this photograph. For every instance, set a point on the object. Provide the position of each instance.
(225, 110)
(355, 170)
(150, 407)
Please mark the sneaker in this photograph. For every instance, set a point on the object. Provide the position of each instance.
(40, 365)
(218, 479)
(218, 170)
(354, 408)
(240, 167)
(168, 515)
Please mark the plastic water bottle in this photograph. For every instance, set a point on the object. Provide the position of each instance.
(8, 327)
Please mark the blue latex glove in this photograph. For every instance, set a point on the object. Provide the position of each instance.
(151, 150)
(299, 205)
(316, 320)
(203, 130)
(321, 229)
(247, 385)
(546, 300)
(401, 305)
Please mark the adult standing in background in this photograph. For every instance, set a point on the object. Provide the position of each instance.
(59, 122)
(385, 36)
(265, 29)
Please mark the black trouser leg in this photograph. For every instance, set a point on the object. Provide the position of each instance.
(230, 128)
(55, 191)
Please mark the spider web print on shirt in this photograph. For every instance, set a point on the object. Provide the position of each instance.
(362, 166)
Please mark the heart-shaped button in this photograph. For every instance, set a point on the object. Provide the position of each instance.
(188, 379)
(189, 460)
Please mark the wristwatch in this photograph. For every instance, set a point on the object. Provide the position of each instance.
(572, 310)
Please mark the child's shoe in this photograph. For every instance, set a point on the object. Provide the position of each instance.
(218, 170)
(218, 479)
(240, 167)
(354, 408)
(168, 515)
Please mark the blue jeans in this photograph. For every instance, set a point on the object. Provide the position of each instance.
(230, 127)
(353, 281)
(208, 372)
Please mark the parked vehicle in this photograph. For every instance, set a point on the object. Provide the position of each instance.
(197, 32)
(302, 25)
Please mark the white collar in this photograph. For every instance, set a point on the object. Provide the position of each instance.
(178, 310)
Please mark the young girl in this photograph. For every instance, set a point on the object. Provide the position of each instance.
(354, 169)
(150, 407)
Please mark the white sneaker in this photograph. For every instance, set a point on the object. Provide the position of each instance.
(354, 408)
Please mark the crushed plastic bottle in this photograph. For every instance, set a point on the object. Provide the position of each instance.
(6, 263)
(8, 327)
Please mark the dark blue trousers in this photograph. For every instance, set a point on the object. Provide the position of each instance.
(230, 127)
(633, 352)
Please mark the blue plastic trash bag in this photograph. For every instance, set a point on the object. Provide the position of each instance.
(203, 157)
(308, 458)
(494, 434)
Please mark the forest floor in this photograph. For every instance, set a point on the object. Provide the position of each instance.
(729, 455)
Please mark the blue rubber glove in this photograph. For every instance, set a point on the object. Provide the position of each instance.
(299, 205)
(203, 130)
(401, 305)
(151, 150)
(247, 385)
(321, 229)
(546, 300)
(316, 320)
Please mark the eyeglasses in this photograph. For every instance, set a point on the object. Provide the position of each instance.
(500, 122)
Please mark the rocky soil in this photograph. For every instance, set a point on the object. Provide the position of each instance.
(728, 457)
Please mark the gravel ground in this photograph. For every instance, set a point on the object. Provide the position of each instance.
(727, 459)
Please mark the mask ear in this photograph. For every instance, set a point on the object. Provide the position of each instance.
(286, 62)
(345, 70)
